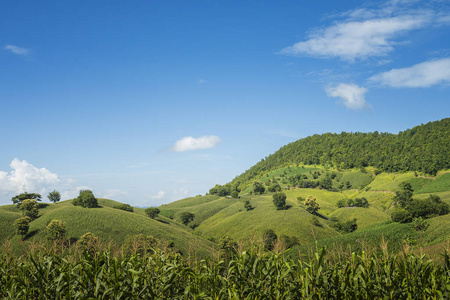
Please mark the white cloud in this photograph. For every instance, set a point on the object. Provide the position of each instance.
(190, 143)
(25, 177)
(160, 195)
(424, 74)
(16, 50)
(351, 95)
(350, 40)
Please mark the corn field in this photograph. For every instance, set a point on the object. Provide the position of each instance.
(157, 274)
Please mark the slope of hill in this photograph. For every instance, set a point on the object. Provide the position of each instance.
(108, 223)
(424, 148)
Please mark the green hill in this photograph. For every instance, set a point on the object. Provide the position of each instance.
(424, 148)
(108, 223)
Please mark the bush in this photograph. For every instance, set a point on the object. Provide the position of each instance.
(85, 199)
(346, 227)
(269, 238)
(152, 212)
(56, 230)
(274, 187)
(29, 208)
(234, 194)
(401, 215)
(22, 225)
(279, 200)
(126, 207)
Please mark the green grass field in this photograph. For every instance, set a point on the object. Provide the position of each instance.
(108, 223)
(440, 184)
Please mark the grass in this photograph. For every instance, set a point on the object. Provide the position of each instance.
(440, 184)
(356, 178)
(240, 224)
(370, 237)
(419, 183)
(389, 182)
(108, 224)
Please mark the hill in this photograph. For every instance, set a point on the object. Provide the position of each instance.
(424, 148)
(106, 222)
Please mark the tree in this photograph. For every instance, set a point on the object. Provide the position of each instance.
(56, 230)
(152, 212)
(30, 208)
(404, 196)
(269, 238)
(311, 205)
(247, 205)
(279, 200)
(274, 187)
(401, 215)
(22, 226)
(258, 188)
(186, 217)
(19, 198)
(85, 199)
(54, 196)
(234, 194)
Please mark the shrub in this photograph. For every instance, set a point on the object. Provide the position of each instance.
(22, 225)
(29, 208)
(152, 212)
(234, 194)
(85, 199)
(279, 200)
(126, 207)
(186, 217)
(274, 187)
(346, 227)
(269, 238)
(56, 230)
(401, 215)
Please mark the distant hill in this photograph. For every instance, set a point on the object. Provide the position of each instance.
(424, 148)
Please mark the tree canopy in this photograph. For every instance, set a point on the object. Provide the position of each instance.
(19, 198)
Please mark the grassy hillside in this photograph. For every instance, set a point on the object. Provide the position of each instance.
(108, 223)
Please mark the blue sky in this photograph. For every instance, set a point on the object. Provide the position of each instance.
(146, 102)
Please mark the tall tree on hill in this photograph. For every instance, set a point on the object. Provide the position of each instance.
(54, 196)
(19, 198)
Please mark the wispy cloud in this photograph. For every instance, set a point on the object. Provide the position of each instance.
(351, 95)
(190, 143)
(16, 50)
(350, 40)
(424, 74)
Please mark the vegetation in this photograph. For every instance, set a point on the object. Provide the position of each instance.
(19, 198)
(125, 207)
(186, 217)
(22, 225)
(85, 199)
(54, 196)
(311, 205)
(56, 230)
(279, 200)
(30, 208)
(423, 148)
(159, 274)
(152, 212)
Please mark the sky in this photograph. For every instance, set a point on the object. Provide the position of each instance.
(147, 102)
